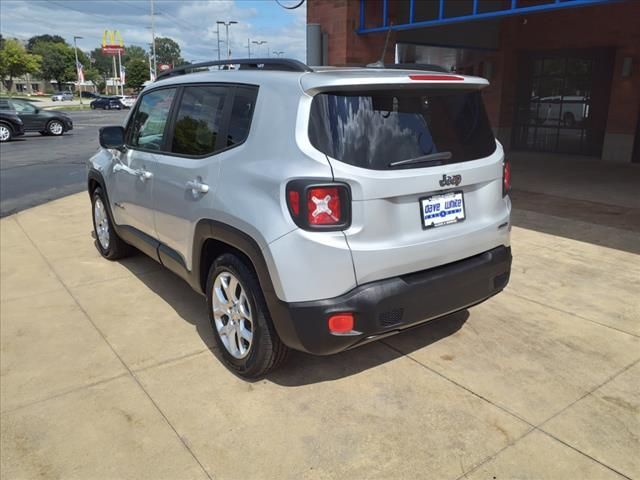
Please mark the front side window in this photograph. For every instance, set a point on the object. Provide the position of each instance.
(198, 122)
(148, 125)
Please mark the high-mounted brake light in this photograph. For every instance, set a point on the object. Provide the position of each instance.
(506, 178)
(444, 78)
(317, 205)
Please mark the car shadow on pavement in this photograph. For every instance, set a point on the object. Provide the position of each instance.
(303, 369)
(300, 369)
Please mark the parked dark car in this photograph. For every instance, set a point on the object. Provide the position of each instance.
(10, 125)
(107, 103)
(36, 119)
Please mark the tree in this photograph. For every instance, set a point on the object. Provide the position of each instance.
(137, 73)
(16, 61)
(134, 52)
(168, 51)
(58, 62)
(102, 63)
(44, 38)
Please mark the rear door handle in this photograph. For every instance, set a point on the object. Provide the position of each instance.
(197, 187)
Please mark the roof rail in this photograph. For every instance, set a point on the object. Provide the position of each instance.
(283, 64)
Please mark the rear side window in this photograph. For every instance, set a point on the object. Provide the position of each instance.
(382, 130)
(199, 121)
(4, 105)
(148, 125)
(241, 115)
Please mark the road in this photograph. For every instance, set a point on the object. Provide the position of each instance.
(35, 169)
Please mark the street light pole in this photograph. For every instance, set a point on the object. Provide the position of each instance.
(153, 44)
(260, 42)
(75, 48)
(226, 26)
(249, 47)
(218, 36)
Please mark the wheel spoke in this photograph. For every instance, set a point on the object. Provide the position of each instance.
(245, 333)
(232, 314)
(233, 286)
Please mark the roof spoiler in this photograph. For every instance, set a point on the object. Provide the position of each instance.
(282, 64)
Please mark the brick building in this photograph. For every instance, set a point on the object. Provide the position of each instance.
(565, 75)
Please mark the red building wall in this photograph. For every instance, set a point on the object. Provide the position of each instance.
(616, 25)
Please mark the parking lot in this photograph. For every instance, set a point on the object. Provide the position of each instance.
(107, 369)
(35, 169)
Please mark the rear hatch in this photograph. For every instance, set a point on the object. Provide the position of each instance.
(425, 171)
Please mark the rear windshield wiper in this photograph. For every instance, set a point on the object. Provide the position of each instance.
(435, 158)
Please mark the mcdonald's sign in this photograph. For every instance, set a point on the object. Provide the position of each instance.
(112, 43)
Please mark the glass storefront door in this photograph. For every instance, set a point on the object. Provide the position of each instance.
(555, 105)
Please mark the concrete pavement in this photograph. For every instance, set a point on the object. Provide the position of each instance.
(106, 372)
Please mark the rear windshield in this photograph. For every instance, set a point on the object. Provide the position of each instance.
(383, 130)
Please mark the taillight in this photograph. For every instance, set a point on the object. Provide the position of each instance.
(294, 202)
(506, 178)
(319, 206)
(323, 206)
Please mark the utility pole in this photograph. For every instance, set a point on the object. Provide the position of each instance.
(249, 47)
(75, 48)
(226, 26)
(153, 44)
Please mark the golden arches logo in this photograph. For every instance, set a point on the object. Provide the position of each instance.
(112, 38)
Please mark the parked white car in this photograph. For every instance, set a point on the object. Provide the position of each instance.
(127, 100)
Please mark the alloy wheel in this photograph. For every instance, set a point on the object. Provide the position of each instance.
(55, 128)
(232, 314)
(102, 223)
(5, 134)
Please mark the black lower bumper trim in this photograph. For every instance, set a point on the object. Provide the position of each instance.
(391, 305)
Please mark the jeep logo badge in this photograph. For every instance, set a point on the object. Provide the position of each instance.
(453, 180)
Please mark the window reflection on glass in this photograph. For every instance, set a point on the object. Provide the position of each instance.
(198, 120)
(147, 129)
(554, 116)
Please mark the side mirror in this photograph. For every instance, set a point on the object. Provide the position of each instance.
(112, 137)
(36, 110)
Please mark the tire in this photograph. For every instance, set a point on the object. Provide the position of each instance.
(106, 107)
(93, 107)
(6, 132)
(108, 243)
(55, 127)
(264, 351)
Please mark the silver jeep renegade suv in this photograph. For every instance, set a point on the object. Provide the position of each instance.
(316, 209)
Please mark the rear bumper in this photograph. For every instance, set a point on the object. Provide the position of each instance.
(388, 306)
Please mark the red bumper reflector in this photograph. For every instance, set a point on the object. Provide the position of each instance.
(437, 77)
(341, 323)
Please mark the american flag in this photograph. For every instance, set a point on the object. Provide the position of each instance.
(80, 73)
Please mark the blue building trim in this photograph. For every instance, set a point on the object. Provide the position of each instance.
(442, 19)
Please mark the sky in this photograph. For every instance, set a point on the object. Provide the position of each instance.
(191, 23)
